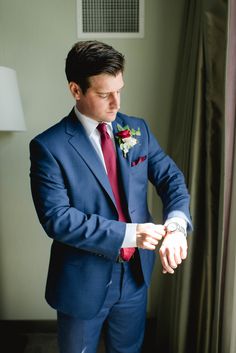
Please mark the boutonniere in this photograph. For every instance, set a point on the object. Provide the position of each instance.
(126, 139)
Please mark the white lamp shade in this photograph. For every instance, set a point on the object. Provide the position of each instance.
(11, 112)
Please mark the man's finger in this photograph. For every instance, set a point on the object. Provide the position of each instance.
(171, 258)
(177, 256)
(183, 253)
(164, 260)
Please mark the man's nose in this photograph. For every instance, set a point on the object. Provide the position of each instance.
(115, 100)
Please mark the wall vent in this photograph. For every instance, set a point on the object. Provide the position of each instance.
(110, 18)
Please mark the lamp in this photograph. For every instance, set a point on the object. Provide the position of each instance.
(11, 112)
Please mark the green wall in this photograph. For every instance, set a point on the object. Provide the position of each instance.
(35, 37)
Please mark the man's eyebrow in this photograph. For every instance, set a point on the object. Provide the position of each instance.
(106, 92)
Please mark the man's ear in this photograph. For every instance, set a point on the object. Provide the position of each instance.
(75, 90)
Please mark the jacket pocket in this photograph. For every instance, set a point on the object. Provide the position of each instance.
(139, 160)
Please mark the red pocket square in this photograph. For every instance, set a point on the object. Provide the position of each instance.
(139, 160)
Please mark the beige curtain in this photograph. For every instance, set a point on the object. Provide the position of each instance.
(197, 306)
(228, 297)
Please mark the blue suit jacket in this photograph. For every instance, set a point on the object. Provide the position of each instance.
(76, 208)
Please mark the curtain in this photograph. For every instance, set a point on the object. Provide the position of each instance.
(228, 292)
(194, 304)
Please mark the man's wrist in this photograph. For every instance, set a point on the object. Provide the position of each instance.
(173, 227)
(176, 224)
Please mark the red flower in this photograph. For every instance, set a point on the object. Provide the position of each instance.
(124, 134)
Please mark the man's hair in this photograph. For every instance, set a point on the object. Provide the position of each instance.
(90, 58)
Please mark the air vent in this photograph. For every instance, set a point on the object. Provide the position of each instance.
(110, 18)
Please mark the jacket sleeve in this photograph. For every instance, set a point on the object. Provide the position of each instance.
(169, 181)
(60, 220)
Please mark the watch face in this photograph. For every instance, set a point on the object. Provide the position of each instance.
(171, 227)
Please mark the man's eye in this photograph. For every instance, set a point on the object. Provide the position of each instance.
(103, 95)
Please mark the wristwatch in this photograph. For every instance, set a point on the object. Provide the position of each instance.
(175, 227)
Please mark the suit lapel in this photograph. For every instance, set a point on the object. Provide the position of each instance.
(124, 163)
(81, 143)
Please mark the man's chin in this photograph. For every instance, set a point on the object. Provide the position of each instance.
(110, 117)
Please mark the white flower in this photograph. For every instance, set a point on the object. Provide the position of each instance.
(130, 141)
(126, 139)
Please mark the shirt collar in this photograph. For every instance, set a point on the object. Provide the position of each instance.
(89, 124)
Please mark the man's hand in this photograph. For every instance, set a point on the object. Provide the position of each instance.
(148, 235)
(172, 251)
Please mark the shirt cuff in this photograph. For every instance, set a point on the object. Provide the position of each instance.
(182, 219)
(178, 220)
(130, 236)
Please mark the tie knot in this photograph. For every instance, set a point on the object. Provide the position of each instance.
(102, 128)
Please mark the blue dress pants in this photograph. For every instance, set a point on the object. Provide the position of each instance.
(122, 319)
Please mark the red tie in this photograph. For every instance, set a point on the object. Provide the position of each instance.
(112, 172)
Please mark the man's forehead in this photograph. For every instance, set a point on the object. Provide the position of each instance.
(106, 82)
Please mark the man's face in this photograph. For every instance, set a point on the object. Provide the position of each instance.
(101, 101)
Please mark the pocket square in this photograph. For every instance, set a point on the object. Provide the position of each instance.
(137, 161)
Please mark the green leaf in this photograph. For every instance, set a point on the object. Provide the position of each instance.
(119, 127)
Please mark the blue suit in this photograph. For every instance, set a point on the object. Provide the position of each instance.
(76, 207)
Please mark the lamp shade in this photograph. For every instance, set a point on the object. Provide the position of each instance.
(11, 112)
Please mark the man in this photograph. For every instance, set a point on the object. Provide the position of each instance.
(89, 178)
